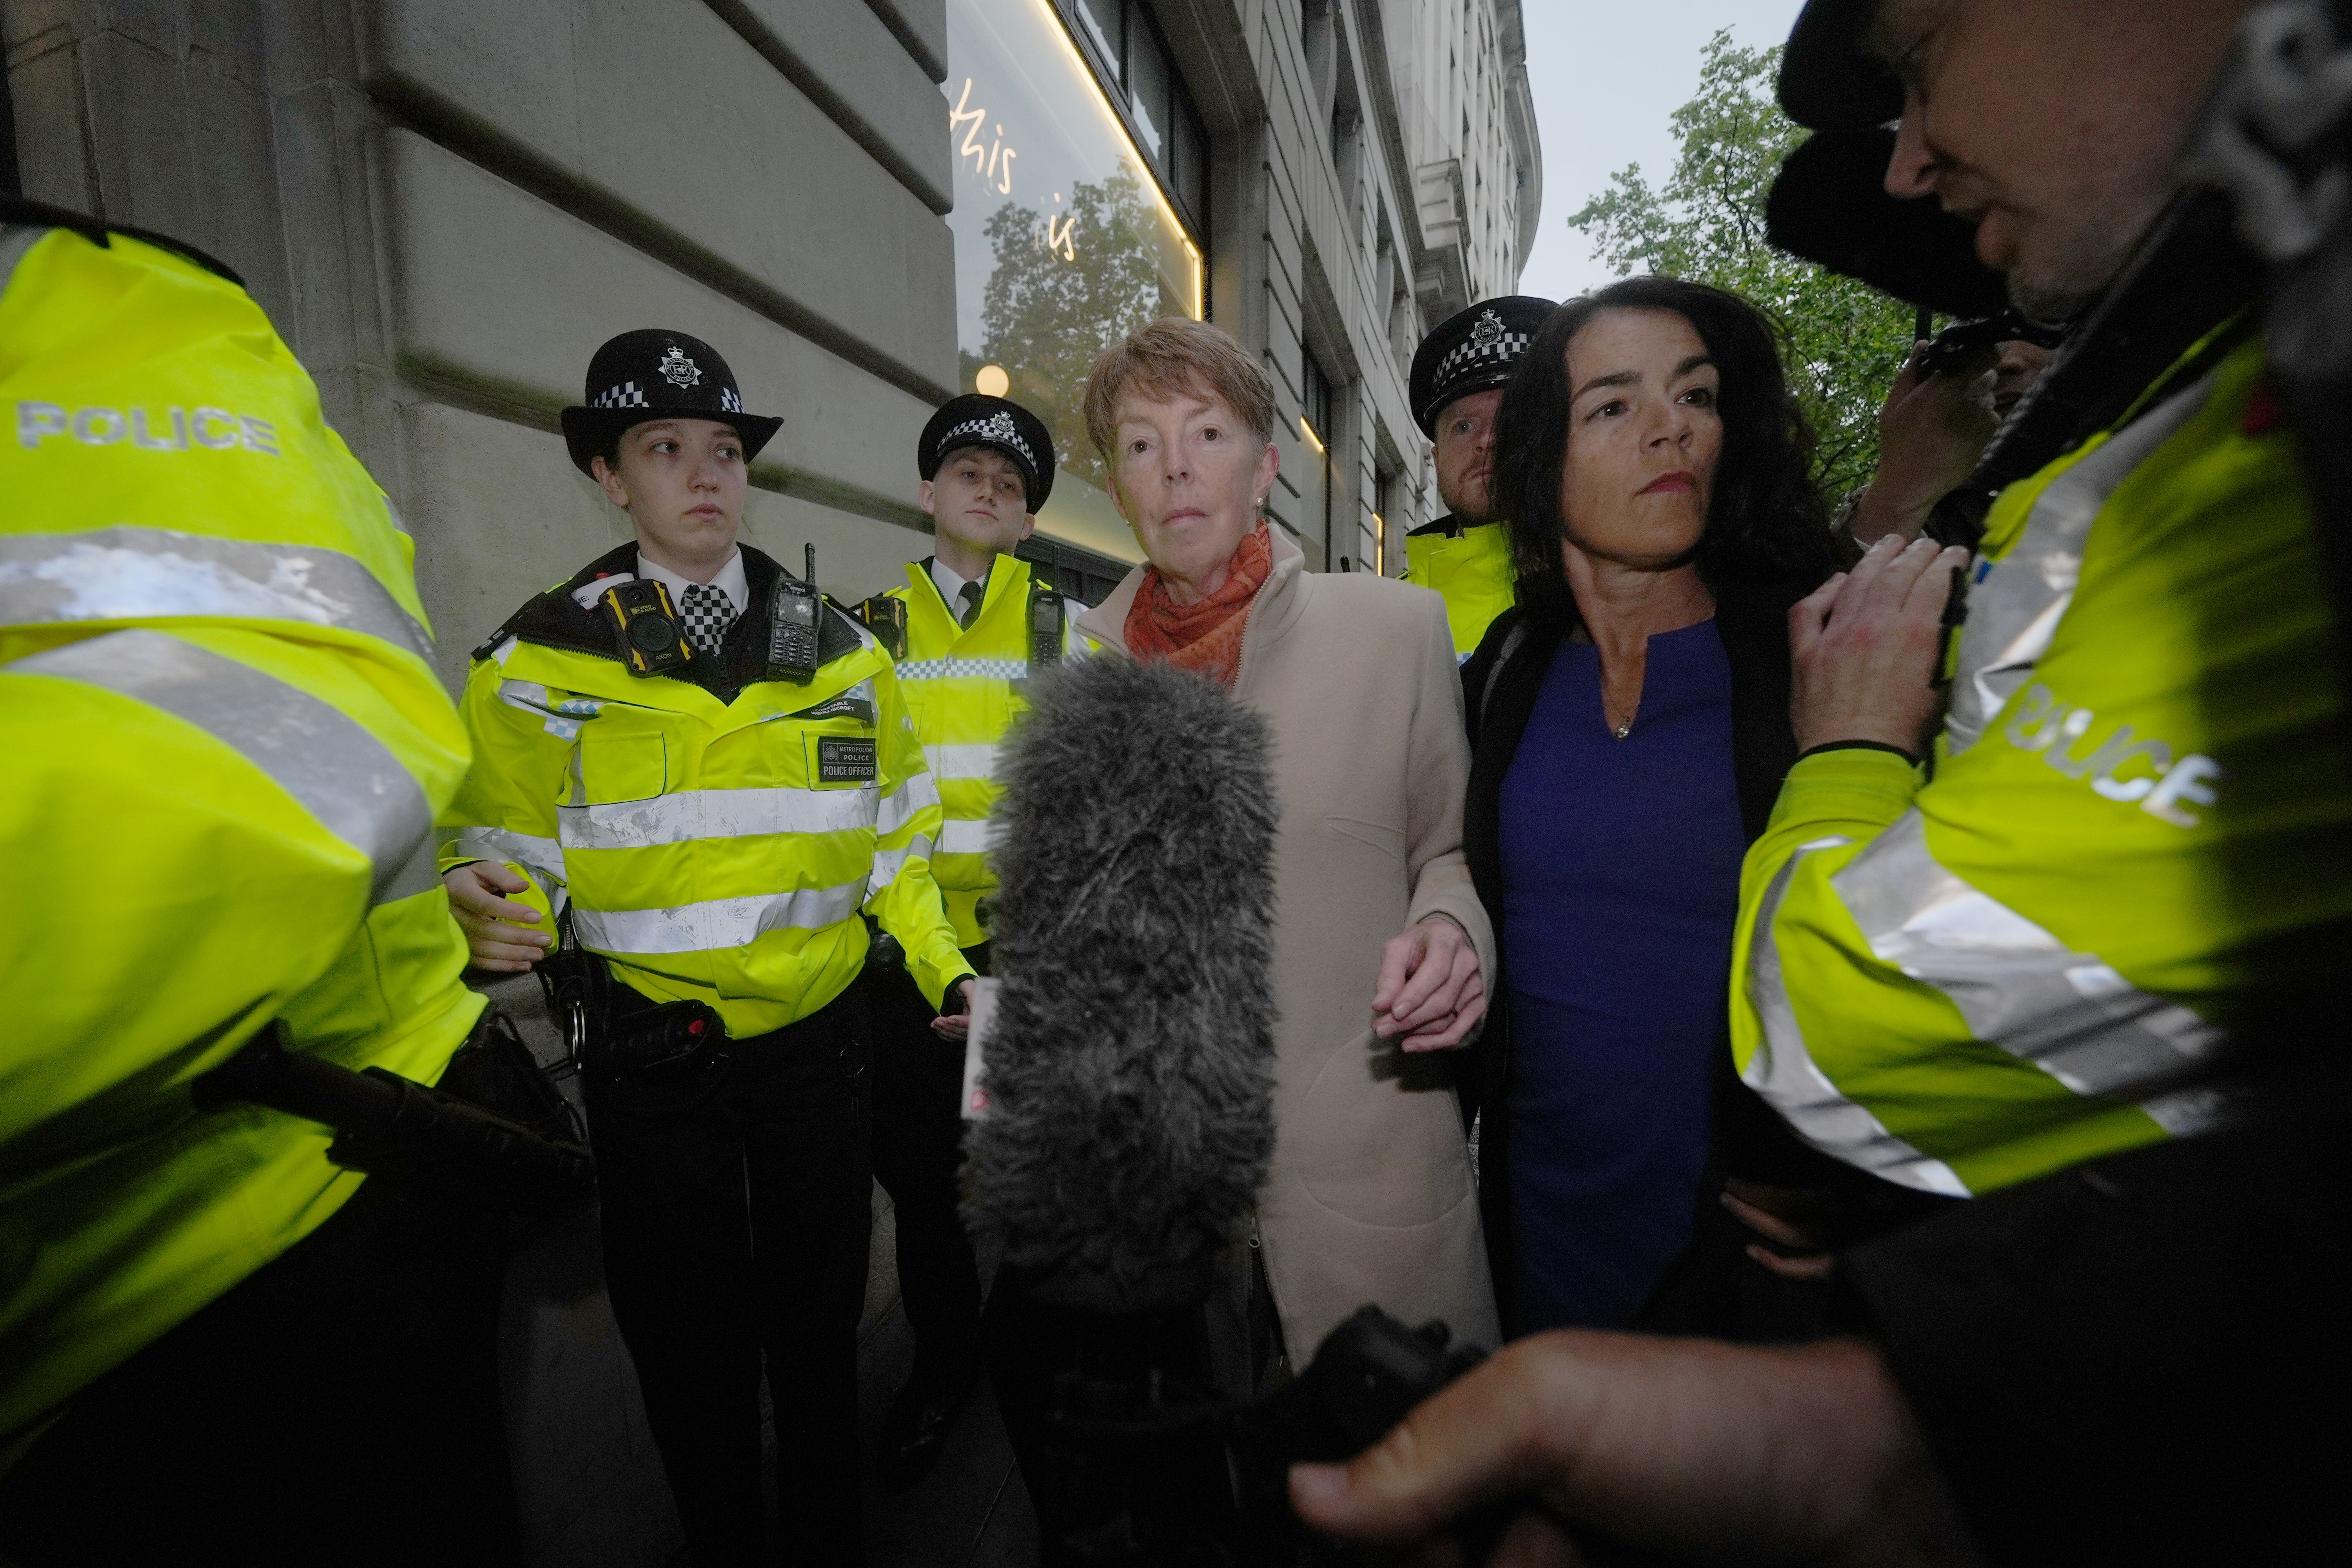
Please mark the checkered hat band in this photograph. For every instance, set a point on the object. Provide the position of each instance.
(995, 428)
(628, 394)
(1468, 357)
(727, 401)
(964, 670)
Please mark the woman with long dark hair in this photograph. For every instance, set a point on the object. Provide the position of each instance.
(1630, 719)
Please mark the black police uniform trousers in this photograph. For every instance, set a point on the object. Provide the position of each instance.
(736, 1220)
(339, 1404)
(918, 1148)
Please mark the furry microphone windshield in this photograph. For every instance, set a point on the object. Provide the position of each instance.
(1130, 1064)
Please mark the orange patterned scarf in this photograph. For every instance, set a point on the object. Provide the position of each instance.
(1204, 636)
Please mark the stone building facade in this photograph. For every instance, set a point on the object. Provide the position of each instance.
(445, 204)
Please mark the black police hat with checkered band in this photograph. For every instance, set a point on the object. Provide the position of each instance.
(1472, 350)
(976, 420)
(654, 373)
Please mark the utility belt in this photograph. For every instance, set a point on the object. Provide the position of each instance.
(670, 1054)
(493, 1129)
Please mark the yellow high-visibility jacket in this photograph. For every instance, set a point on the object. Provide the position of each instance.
(222, 746)
(963, 687)
(716, 833)
(1470, 571)
(2136, 827)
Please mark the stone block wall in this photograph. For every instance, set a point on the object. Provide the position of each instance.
(444, 206)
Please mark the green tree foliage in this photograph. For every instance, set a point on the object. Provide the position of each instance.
(1706, 224)
(1058, 297)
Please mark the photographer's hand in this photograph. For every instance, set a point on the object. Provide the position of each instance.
(1710, 1452)
(1931, 431)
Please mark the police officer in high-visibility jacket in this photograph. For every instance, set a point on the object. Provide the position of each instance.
(2046, 949)
(974, 623)
(222, 746)
(1456, 386)
(712, 771)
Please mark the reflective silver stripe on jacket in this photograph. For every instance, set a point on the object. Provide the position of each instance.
(718, 924)
(150, 574)
(889, 863)
(1786, 1075)
(975, 760)
(502, 844)
(420, 872)
(15, 239)
(2018, 986)
(686, 814)
(900, 805)
(968, 836)
(341, 774)
(2015, 610)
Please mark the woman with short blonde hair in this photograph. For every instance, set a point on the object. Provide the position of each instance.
(1380, 944)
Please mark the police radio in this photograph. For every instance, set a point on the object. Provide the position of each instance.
(1046, 608)
(645, 626)
(792, 618)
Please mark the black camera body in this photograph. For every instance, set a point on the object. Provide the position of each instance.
(1146, 1468)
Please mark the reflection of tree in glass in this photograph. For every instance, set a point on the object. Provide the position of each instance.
(1045, 318)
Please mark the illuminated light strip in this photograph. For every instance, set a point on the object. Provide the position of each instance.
(1308, 431)
(1119, 122)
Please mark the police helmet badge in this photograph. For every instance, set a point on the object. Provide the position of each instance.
(1474, 349)
(976, 420)
(653, 373)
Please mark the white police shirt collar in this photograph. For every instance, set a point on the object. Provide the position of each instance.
(730, 579)
(951, 586)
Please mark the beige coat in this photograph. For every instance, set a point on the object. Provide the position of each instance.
(1370, 1198)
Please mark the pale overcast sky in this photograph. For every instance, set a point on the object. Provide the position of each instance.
(1605, 75)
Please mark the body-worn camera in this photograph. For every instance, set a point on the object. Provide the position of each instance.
(885, 616)
(645, 626)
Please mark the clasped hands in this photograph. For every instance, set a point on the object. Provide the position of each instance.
(1431, 993)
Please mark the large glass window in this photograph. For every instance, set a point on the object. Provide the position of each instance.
(1066, 238)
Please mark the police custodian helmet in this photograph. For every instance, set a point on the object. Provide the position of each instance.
(976, 420)
(1472, 350)
(654, 373)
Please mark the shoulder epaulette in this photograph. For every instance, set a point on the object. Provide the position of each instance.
(555, 618)
(16, 209)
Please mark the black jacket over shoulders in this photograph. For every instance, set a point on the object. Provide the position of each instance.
(1500, 683)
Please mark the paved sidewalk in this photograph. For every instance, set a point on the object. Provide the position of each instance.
(588, 1478)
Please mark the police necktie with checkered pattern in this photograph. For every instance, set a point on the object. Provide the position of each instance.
(705, 613)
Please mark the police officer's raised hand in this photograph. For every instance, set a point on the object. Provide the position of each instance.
(1702, 1451)
(498, 932)
(1864, 646)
